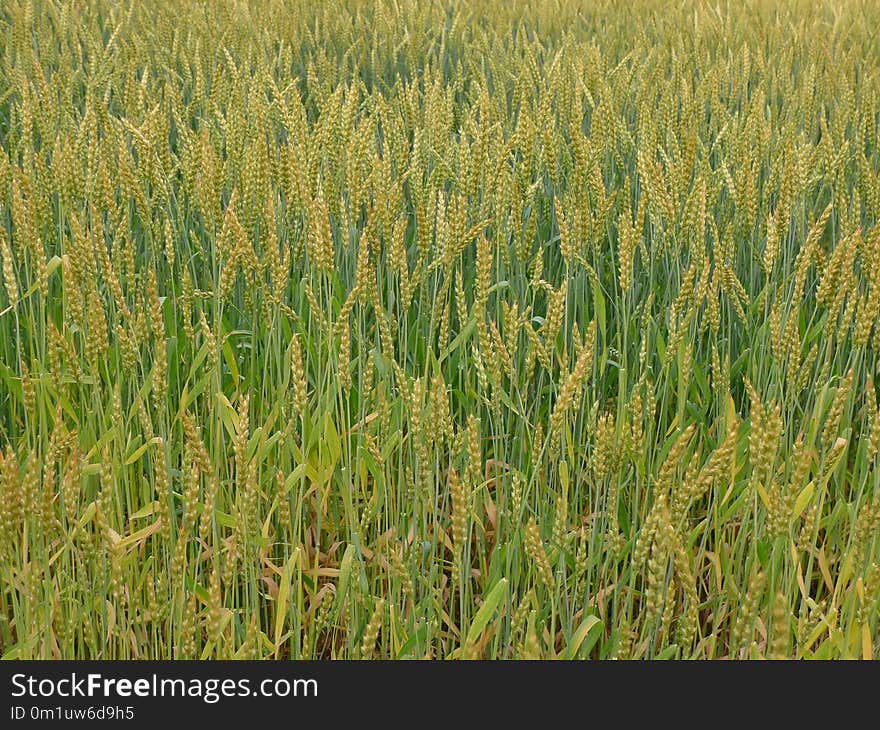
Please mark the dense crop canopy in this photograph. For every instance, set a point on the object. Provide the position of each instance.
(428, 328)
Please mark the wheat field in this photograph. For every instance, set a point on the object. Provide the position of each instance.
(439, 329)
